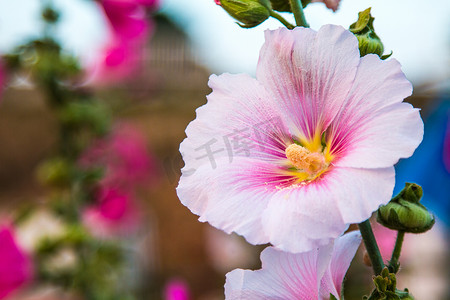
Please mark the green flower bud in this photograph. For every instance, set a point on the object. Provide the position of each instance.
(368, 40)
(54, 172)
(249, 13)
(50, 15)
(285, 6)
(405, 213)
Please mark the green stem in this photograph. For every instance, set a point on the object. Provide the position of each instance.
(281, 19)
(297, 9)
(393, 263)
(371, 246)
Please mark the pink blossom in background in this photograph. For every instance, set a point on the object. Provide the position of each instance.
(308, 276)
(114, 214)
(331, 4)
(15, 265)
(176, 289)
(130, 28)
(125, 157)
(308, 147)
(115, 62)
(385, 239)
(127, 19)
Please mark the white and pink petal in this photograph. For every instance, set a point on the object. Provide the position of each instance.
(309, 74)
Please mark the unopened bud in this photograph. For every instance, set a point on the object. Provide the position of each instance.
(249, 13)
(285, 6)
(50, 15)
(405, 213)
(368, 40)
(54, 172)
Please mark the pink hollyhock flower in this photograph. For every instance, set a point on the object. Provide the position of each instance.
(115, 214)
(308, 147)
(331, 4)
(130, 28)
(127, 19)
(124, 155)
(116, 61)
(308, 276)
(15, 265)
(176, 289)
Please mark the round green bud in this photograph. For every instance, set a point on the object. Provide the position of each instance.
(54, 172)
(50, 15)
(249, 13)
(405, 213)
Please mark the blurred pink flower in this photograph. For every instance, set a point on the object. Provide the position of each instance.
(308, 276)
(331, 4)
(130, 28)
(176, 289)
(308, 147)
(127, 19)
(117, 60)
(124, 156)
(114, 214)
(15, 265)
(385, 239)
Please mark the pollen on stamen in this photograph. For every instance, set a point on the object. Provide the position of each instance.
(310, 162)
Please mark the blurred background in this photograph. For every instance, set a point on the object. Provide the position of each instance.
(96, 97)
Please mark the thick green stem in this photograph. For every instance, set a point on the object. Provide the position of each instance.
(393, 263)
(371, 246)
(297, 9)
(281, 19)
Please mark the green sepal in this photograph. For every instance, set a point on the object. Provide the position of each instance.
(332, 297)
(386, 56)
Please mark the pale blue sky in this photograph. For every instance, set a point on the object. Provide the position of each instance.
(417, 31)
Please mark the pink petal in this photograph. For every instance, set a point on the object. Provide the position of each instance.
(238, 107)
(284, 276)
(15, 265)
(309, 74)
(345, 248)
(363, 192)
(374, 129)
(215, 197)
(299, 219)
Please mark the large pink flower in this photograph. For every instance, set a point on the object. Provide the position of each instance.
(15, 265)
(307, 148)
(308, 276)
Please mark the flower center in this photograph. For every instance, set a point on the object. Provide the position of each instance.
(312, 163)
